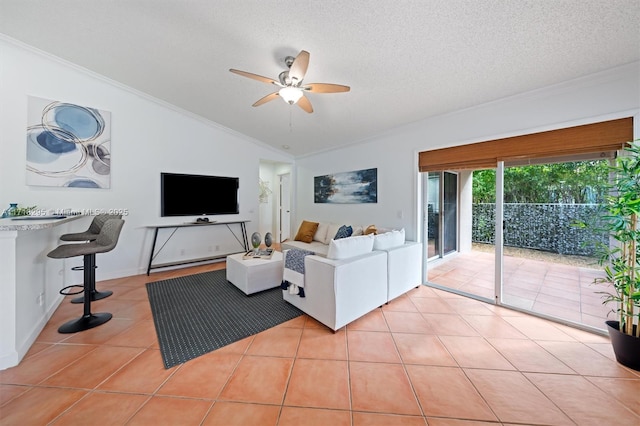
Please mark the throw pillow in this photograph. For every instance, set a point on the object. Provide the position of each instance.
(388, 240)
(321, 233)
(343, 232)
(371, 229)
(350, 247)
(306, 231)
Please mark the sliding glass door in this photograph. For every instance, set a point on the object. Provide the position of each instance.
(550, 264)
(448, 231)
(536, 260)
(441, 214)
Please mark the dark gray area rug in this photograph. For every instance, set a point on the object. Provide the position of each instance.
(197, 314)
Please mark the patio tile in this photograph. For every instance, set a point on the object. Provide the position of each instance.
(562, 312)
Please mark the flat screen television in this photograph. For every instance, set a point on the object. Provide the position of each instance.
(198, 195)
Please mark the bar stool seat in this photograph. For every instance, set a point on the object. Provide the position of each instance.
(90, 235)
(94, 229)
(104, 242)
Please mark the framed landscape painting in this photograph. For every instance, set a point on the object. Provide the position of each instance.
(360, 186)
(68, 145)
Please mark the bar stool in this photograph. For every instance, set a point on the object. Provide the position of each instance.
(90, 235)
(104, 242)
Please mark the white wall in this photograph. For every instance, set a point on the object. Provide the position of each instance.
(603, 96)
(148, 137)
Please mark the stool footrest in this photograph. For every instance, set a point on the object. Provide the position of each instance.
(94, 295)
(81, 268)
(71, 293)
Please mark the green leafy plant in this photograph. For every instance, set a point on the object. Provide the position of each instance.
(621, 260)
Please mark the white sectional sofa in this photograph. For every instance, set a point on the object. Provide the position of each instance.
(349, 277)
(404, 262)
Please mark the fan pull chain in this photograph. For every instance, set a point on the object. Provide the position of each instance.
(290, 119)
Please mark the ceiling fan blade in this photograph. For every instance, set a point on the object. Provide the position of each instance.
(304, 103)
(325, 88)
(255, 76)
(299, 67)
(266, 99)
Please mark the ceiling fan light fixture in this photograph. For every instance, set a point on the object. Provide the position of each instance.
(291, 95)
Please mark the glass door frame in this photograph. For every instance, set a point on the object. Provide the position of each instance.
(440, 240)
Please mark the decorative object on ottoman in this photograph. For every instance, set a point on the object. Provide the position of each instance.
(268, 239)
(255, 241)
(259, 254)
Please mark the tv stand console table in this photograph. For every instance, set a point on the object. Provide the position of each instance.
(243, 240)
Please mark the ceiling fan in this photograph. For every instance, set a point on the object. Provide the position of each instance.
(290, 83)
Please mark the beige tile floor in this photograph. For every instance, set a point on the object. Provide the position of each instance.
(428, 358)
(554, 289)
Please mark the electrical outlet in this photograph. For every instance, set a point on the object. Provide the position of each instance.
(217, 248)
(182, 252)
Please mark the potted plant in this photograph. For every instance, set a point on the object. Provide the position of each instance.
(621, 258)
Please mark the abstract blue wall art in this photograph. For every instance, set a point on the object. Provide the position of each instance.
(68, 145)
(356, 187)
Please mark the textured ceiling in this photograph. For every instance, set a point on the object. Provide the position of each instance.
(405, 60)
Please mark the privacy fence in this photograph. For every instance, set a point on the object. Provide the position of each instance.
(546, 227)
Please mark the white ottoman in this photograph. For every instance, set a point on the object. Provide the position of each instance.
(254, 275)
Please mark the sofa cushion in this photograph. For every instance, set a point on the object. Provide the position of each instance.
(321, 233)
(317, 247)
(349, 247)
(306, 231)
(343, 232)
(331, 232)
(388, 240)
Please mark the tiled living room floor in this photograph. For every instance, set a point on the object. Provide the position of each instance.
(428, 358)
